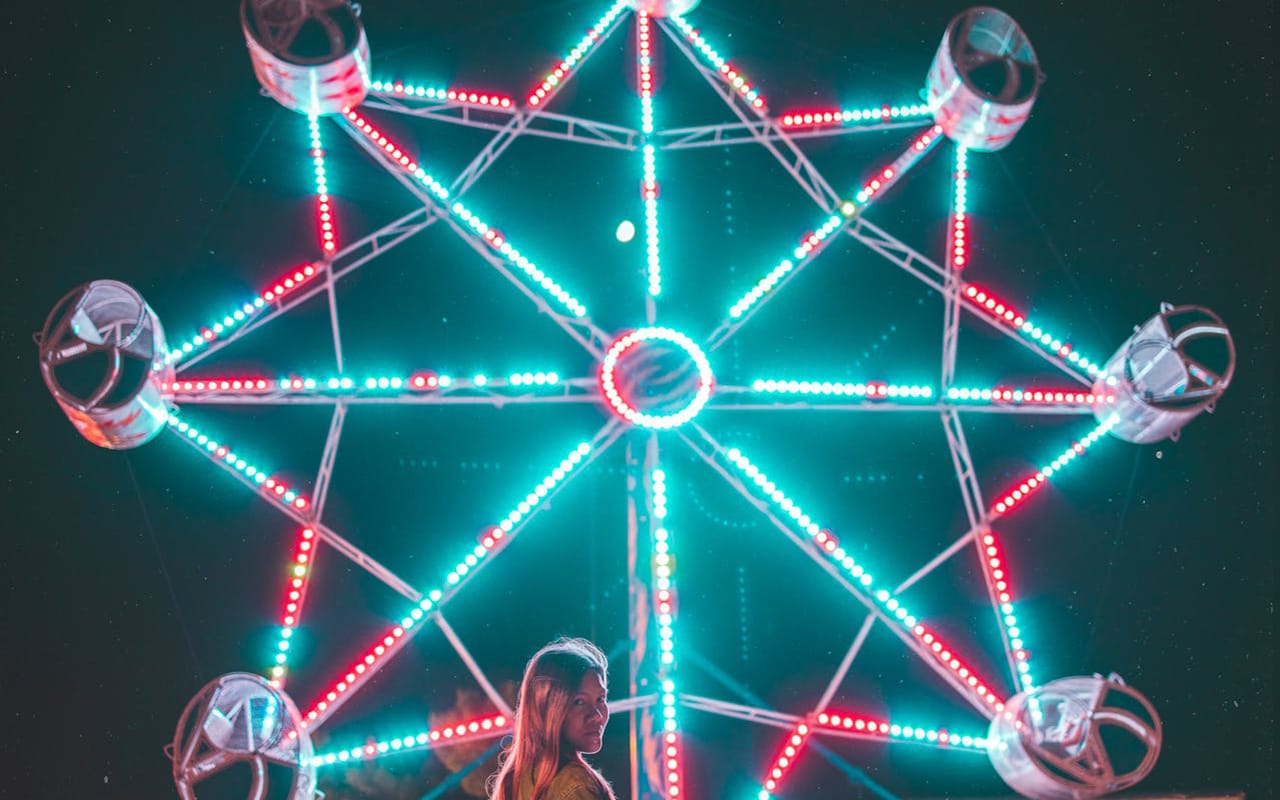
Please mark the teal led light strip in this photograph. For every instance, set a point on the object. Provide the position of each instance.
(491, 542)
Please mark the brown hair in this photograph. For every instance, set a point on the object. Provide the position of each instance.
(550, 680)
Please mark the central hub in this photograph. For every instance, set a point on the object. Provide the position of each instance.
(656, 378)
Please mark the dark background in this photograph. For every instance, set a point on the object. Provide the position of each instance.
(137, 148)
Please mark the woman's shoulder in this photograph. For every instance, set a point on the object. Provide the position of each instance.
(576, 782)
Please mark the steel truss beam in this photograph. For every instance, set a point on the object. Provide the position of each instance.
(753, 131)
(545, 124)
(917, 647)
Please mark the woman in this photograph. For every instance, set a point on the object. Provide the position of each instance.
(562, 711)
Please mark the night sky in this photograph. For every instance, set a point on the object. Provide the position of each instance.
(138, 148)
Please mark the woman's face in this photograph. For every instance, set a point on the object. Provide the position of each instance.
(588, 714)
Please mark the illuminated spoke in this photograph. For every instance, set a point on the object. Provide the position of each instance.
(665, 608)
(269, 486)
(554, 79)
(988, 305)
(490, 543)
(856, 117)
(425, 387)
(730, 75)
(889, 175)
(809, 246)
(960, 241)
(1033, 483)
(325, 223)
(649, 184)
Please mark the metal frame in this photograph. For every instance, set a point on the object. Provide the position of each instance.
(642, 451)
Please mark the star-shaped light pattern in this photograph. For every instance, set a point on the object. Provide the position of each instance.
(633, 402)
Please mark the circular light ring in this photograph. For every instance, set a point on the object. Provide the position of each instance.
(634, 415)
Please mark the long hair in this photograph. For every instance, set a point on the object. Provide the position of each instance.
(550, 681)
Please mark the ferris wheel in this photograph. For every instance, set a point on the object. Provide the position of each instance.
(658, 387)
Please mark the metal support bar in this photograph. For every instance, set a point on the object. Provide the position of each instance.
(499, 702)
(333, 314)
(751, 132)
(935, 277)
(845, 663)
(321, 491)
(349, 258)
(326, 535)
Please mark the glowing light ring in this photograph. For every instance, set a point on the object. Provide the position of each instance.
(483, 728)
(273, 489)
(655, 421)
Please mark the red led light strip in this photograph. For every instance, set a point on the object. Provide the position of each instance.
(295, 593)
(889, 175)
(1000, 394)
(786, 758)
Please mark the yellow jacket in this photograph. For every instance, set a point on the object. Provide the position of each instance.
(572, 782)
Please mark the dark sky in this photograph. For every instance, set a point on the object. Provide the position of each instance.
(137, 148)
